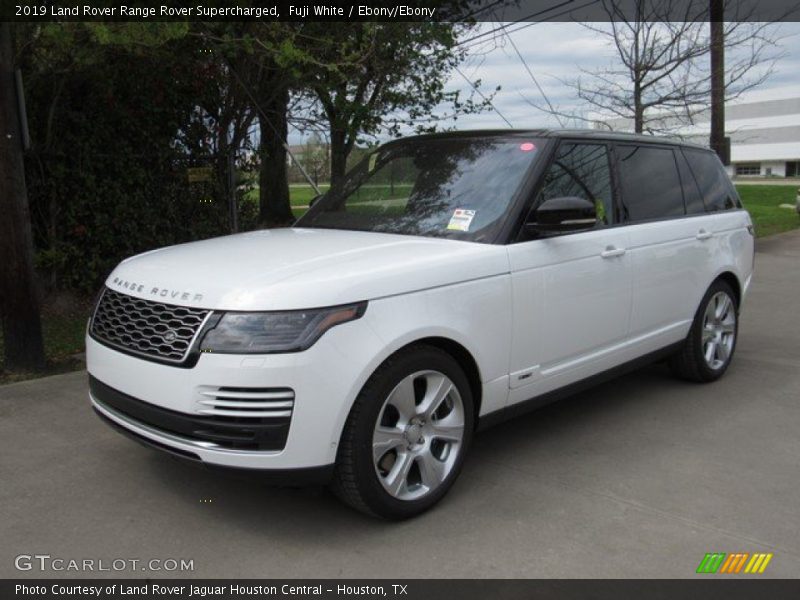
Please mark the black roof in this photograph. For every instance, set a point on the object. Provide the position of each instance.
(596, 134)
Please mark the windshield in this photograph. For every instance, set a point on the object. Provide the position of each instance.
(459, 188)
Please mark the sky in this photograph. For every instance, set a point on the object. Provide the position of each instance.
(556, 52)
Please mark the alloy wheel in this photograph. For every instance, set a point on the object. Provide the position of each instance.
(418, 435)
(719, 330)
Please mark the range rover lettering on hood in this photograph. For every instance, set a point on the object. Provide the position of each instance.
(161, 292)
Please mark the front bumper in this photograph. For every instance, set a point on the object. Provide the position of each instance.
(163, 406)
(199, 430)
(291, 477)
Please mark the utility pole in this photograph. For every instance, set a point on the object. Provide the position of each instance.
(19, 305)
(718, 142)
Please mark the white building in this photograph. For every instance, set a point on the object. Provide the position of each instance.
(765, 136)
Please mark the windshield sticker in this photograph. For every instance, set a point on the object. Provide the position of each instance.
(527, 147)
(461, 219)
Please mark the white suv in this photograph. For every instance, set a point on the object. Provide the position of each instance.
(450, 281)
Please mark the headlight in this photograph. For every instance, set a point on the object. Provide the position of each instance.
(271, 332)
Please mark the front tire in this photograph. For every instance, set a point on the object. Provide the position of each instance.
(406, 436)
(709, 347)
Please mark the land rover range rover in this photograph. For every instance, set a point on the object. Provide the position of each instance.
(448, 282)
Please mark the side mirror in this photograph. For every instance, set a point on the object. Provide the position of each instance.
(568, 213)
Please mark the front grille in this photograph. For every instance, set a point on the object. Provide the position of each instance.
(145, 327)
(242, 431)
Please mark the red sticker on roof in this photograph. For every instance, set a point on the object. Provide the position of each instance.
(527, 147)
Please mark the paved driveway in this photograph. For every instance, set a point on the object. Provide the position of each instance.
(637, 478)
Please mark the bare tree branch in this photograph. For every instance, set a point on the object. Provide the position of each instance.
(661, 79)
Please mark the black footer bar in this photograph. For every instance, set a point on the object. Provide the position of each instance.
(405, 589)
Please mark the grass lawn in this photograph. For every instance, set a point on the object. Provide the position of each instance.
(763, 203)
(299, 194)
(63, 328)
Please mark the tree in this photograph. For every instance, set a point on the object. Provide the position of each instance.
(273, 181)
(363, 78)
(717, 62)
(264, 63)
(19, 306)
(315, 157)
(378, 77)
(221, 103)
(223, 108)
(114, 124)
(661, 79)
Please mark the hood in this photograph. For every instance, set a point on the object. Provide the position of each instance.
(284, 269)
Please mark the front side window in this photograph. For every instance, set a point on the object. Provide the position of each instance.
(715, 185)
(650, 183)
(581, 170)
(460, 188)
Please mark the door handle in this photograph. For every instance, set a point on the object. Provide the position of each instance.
(704, 235)
(612, 251)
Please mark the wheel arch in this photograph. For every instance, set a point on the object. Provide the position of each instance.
(732, 280)
(465, 360)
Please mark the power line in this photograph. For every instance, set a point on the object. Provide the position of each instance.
(504, 29)
(479, 43)
(531, 24)
(263, 115)
(507, 25)
(479, 10)
(489, 102)
(539, 87)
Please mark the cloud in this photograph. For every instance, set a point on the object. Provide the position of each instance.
(558, 51)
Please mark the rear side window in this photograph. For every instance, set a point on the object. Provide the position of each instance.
(691, 193)
(715, 185)
(650, 183)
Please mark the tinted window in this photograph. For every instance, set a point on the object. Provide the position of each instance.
(714, 183)
(650, 183)
(691, 193)
(581, 170)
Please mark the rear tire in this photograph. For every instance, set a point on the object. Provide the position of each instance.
(407, 434)
(709, 347)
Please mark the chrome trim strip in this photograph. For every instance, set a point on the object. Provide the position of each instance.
(96, 306)
(287, 395)
(245, 413)
(234, 404)
(170, 439)
(200, 329)
(579, 222)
